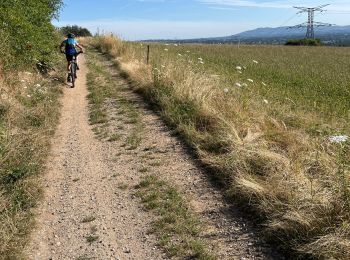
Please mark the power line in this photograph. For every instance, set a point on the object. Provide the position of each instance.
(311, 24)
(289, 19)
(338, 12)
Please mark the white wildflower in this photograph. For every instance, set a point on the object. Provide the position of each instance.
(238, 68)
(244, 85)
(188, 51)
(167, 44)
(250, 80)
(29, 96)
(176, 44)
(338, 138)
(244, 67)
(200, 58)
(256, 62)
(264, 84)
(239, 85)
(28, 73)
(266, 101)
(166, 49)
(201, 62)
(37, 85)
(179, 54)
(226, 90)
(240, 72)
(23, 81)
(163, 66)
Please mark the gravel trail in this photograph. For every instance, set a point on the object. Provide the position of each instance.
(84, 216)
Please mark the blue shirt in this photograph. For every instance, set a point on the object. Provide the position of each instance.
(70, 46)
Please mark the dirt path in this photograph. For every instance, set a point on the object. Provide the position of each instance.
(82, 203)
(90, 209)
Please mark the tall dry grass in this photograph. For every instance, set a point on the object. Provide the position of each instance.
(274, 157)
(29, 111)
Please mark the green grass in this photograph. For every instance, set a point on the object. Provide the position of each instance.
(98, 94)
(103, 87)
(311, 78)
(123, 186)
(91, 238)
(177, 228)
(114, 137)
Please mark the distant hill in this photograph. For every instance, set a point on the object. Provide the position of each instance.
(335, 35)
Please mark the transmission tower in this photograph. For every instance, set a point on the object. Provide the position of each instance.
(311, 24)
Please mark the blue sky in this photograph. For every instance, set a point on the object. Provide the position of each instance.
(177, 19)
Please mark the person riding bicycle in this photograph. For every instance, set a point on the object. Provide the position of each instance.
(70, 44)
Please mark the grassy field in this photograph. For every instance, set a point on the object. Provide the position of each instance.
(312, 79)
(265, 119)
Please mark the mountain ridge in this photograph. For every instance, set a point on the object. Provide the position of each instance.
(333, 35)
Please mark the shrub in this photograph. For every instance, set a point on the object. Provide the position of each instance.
(304, 42)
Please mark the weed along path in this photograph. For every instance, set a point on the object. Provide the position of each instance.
(121, 186)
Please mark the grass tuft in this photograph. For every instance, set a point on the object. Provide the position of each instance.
(88, 219)
(91, 239)
(176, 227)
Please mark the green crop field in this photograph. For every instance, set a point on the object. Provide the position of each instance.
(312, 79)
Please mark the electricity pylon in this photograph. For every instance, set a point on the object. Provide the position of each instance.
(311, 24)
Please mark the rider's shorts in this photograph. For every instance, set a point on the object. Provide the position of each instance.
(70, 57)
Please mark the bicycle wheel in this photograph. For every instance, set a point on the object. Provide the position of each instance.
(72, 73)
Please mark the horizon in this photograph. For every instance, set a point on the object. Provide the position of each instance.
(180, 19)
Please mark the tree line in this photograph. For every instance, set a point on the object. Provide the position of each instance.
(76, 30)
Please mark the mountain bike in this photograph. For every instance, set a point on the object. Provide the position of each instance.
(72, 75)
(73, 68)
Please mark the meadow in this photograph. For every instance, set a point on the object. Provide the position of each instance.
(314, 79)
(270, 122)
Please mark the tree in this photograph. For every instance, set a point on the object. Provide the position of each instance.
(77, 30)
(26, 31)
(305, 42)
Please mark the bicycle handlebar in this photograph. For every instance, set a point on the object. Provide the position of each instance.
(79, 52)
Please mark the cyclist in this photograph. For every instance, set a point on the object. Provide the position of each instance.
(70, 44)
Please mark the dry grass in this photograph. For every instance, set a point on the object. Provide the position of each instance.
(28, 116)
(274, 153)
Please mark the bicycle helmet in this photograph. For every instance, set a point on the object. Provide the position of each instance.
(71, 35)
